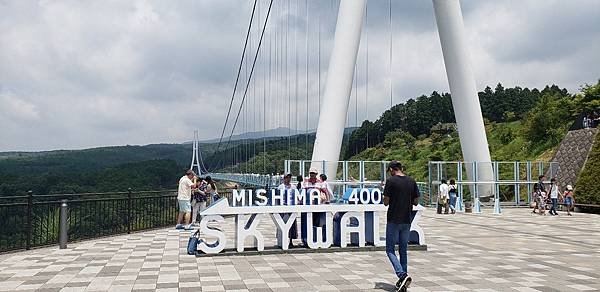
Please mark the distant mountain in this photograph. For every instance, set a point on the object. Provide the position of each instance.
(92, 158)
(272, 133)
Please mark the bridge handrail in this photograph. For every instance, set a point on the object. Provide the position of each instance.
(33, 220)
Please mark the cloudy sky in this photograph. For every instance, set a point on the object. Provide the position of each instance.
(78, 74)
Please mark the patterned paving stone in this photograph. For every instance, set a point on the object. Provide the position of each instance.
(516, 251)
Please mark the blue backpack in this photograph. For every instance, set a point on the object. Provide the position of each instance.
(192, 247)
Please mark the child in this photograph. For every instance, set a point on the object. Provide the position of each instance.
(569, 199)
(542, 203)
(536, 198)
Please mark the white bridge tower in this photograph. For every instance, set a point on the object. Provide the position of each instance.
(197, 157)
(460, 75)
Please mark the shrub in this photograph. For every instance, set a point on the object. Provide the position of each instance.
(586, 188)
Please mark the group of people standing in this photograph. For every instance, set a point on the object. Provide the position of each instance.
(193, 194)
(447, 197)
(400, 194)
(544, 196)
(313, 181)
(591, 120)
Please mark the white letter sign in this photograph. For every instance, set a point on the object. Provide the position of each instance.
(357, 219)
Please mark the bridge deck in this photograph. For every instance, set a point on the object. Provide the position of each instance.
(517, 251)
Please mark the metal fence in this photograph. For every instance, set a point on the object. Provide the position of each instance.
(507, 182)
(33, 220)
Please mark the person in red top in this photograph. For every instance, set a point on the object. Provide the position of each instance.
(310, 183)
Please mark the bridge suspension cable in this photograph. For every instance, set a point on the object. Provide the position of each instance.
(391, 57)
(237, 78)
(367, 67)
(250, 73)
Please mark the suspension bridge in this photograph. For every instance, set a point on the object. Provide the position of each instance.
(289, 48)
(327, 45)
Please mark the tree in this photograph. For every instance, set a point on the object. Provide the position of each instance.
(589, 98)
(545, 123)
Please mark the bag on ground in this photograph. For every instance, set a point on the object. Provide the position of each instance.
(192, 247)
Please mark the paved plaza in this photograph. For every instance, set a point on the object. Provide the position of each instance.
(517, 251)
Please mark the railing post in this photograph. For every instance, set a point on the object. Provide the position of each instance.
(517, 177)
(29, 212)
(528, 174)
(129, 205)
(63, 227)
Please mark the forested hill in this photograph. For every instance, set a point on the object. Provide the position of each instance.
(93, 158)
(527, 128)
(417, 116)
(93, 170)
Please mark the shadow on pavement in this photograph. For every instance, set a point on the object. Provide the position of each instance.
(385, 286)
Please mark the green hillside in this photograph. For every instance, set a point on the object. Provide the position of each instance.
(521, 124)
(506, 142)
(93, 170)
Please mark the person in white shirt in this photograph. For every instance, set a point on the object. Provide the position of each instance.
(288, 189)
(184, 197)
(286, 184)
(554, 191)
(443, 197)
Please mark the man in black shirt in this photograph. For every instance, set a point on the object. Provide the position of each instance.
(400, 194)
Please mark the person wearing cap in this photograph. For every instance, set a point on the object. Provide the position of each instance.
(288, 189)
(400, 194)
(310, 183)
(569, 199)
(184, 196)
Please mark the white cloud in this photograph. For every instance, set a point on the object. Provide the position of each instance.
(79, 74)
(17, 109)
